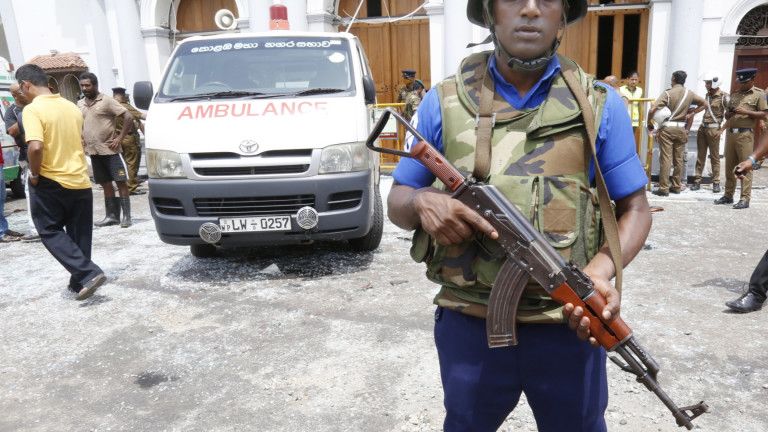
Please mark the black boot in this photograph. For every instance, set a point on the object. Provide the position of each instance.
(746, 303)
(696, 186)
(125, 206)
(112, 207)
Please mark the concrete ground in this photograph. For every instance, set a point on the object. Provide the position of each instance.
(334, 340)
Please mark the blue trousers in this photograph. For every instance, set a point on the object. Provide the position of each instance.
(563, 378)
(56, 209)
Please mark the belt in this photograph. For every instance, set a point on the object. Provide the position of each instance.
(671, 123)
(739, 130)
(710, 125)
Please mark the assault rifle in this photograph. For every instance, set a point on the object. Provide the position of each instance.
(529, 255)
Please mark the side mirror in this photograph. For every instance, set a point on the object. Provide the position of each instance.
(142, 94)
(369, 90)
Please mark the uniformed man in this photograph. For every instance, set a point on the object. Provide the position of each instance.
(131, 142)
(413, 99)
(672, 134)
(745, 108)
(408, 77)
(708, 137)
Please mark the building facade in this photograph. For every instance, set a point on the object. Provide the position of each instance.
(124, 41)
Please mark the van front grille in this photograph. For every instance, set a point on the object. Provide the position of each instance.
(255, 170)
(253, 206)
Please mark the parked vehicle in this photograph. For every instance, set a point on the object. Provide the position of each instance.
(255, 139)
(11, 170)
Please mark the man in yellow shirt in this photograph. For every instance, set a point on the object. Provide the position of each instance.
(632, 91)
(60, 194)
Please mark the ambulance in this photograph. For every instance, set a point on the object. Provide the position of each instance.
(259, 139)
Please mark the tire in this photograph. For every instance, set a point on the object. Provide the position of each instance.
(17, 188)
(204, 250)
(371, 240)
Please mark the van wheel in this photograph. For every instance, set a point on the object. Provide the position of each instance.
(371, 240)
(204, 250)
(17, 188)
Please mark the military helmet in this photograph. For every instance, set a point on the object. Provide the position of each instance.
(577, 9)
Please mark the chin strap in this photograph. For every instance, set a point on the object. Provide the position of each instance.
(518, 64)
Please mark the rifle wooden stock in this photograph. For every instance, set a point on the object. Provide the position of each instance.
(608, 334)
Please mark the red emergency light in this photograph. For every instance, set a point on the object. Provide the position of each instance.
(278, 17)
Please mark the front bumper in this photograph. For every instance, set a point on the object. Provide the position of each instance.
(343, 201)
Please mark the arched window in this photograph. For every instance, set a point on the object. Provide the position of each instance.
(753, 28)
(70, 89)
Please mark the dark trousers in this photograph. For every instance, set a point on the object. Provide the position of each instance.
(758, 282)
(64, 219)
(564, 378)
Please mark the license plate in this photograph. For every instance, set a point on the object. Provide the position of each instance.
(255, 224)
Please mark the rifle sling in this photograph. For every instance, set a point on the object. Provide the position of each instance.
(608, 216)
(484, 124)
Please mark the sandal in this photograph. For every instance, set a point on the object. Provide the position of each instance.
(13, 233)
(8, 239)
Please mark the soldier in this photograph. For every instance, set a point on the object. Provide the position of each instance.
(745, 107)
(414, 99)
(708, 137)
(132, 141)
(544, 168)
(407, 88)
(672, 134)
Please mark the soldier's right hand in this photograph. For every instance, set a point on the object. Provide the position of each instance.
(449, 221)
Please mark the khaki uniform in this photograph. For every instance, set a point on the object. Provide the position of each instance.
(740, 138)
(706, 139)
(131, 146)
(673, 137)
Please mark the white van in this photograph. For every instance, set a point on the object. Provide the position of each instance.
(259, 138)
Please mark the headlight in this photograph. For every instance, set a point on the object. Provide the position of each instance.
(164, 164)
(344, 158)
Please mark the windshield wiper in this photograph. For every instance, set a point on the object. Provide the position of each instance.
(317, 91)
(227, 94)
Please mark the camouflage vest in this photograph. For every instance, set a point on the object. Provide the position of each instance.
(540, 161)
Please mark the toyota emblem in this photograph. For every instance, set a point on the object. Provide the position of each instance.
(249, 146)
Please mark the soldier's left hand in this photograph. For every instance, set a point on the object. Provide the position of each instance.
(575, 315)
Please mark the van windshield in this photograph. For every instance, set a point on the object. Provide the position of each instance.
(259, 67)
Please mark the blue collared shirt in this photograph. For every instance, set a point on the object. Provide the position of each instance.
(616, 154)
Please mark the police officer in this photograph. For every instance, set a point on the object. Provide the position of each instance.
(132, 141)
(745, 107)
(708, 137)
(408, 77)
(673, 135)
